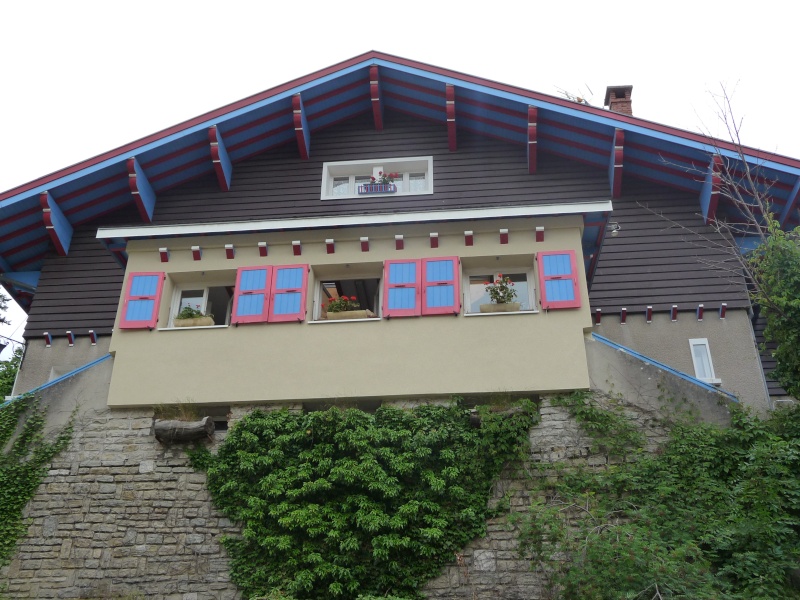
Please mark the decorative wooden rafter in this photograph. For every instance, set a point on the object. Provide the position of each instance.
(540, 234)
(504, 236)
(48, 339)
(330, 246)
(297, 248)
(220, 158)
(469, 238)
(301, 127)
(709, 195)
(399, 244)
(230, 251)
(164, 254)
(699, 312)
(673, 313)
(262, 249)
(723, 309)
(450, 109)
(70, 339)
(93, 337)
(434, 240)
(375, 96)
(623, 316)
(791, 203)
(5, 266)
(598, 316)
(364, 244)
(143, 195)
(648, 314)
(197, 252)
(57, 225)
(533, 117)
(615, 163)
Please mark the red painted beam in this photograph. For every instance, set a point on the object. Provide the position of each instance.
(375, 97)
(301, 127)
(450, 111)
(533, 118)
(617, 153)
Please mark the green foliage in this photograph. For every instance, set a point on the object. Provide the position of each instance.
(25, 455)
(775, 266)
(342, 504)
(8, 372)
(716, 515)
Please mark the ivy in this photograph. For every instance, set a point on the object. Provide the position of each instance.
(8, 373)
(25, 455)
(714, 514)
(346, 504)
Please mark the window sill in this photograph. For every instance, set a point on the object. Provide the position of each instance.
(377, 195)
(320, 322)
(201, 327)
(503, 314)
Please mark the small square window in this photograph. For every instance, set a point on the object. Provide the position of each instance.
(476, 293)
(365, 293)
(214, 301)
(348, 179)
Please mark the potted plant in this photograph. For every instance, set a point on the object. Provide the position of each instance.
(502, 293)
(346, 307)
(382, 184)
(193, 317)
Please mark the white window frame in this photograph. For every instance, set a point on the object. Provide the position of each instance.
(319, 298)
(174, 307)
(530, 273)
(370, 168)
(703, 343)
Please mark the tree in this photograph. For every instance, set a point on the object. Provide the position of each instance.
(8, 373)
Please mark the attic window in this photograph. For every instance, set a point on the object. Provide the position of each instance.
(342, 179)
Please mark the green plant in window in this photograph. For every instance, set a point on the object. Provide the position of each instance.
(502, 290)
(343, 303)
(187, 312)
(384, 178)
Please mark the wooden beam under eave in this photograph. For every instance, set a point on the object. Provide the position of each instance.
(219, 157)
(375, 97)
(533, 115)
(450, 109)
(791, 203)
(615, 163)
(143, 194)
(5, 266)
(57, 225)
(709, 194)
(301, 127)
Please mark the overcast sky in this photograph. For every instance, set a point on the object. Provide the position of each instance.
(80, 78)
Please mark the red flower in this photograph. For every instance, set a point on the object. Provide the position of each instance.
(380, 172)
(353, 298)
(486, 283)
(500, 275)
(372, 178)
(498, 282)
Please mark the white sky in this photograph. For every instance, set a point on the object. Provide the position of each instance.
(82, 77)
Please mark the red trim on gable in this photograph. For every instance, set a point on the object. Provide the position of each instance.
(177, 153)
(414, 86)
(415, 101)
(256, 122)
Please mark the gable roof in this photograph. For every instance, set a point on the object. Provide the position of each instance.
(43, 212)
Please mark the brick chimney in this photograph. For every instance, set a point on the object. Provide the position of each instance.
(618, 99)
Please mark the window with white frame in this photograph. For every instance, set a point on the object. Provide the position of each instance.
(352, 178)
(476, 280)
(212, 300)
(701, 358)
(359, 294)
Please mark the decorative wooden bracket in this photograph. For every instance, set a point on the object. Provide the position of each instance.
(301, 127)
(220, 158)
(615, 164)
(56, 223)
(791, 203)
(709, 195)
(330, 246)
(533, 116)
(399, 243)
(143, 195)
(450, 109)
(375, 96)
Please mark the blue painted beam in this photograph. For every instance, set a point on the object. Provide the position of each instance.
(57, 225)
(709, 194)
(791, 203)
(375, 97)
(220, 158)
(615, 163)
(301, 128)
(5, 266)
(143, 194)
(27, 280)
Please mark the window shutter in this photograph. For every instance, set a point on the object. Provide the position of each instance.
(288, 295)
(440, 287)
(401, 288)
(251, 296)
(558, 280)
(142, 299)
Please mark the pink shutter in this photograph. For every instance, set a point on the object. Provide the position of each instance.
(558, 279)
(401, 288)
(142, 299)
(288, 293)
(440, 286)
(251, 296)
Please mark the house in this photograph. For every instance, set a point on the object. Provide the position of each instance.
(263, 211)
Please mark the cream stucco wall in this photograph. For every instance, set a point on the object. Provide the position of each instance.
(400, 357)
(730, 341)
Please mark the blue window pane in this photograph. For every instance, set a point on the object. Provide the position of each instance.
(402, 298)
(559, 289)
(139, 310)
(439, 270)
(402, 273)
(144, 285)
(440, 295)
(289, 279)
(250, 304)
(253, 280)
(557, 264)
(287, 303)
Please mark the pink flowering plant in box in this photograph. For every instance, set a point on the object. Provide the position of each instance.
(343, 303)
(384, 178)
(187, 312)
(502, 290)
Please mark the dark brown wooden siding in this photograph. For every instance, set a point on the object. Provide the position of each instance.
(664, 255)
(80, 291)
(483, 172)
(767, 361)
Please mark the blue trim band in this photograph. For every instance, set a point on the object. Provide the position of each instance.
(655, 363)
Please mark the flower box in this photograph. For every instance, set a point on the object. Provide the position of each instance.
(195, 322)
(350, 314)
(377, 188)
(500, 308)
